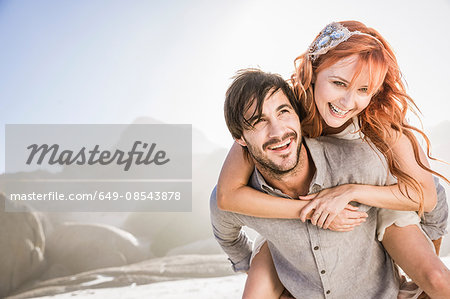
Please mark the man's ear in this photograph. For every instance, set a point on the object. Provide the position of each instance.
(241, 141)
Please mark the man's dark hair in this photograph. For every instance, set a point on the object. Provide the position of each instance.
(251, 85)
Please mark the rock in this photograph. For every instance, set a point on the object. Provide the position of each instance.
(22, 247)
(207, 246)
(79, 247)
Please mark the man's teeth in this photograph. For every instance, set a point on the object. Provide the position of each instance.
(337, 110)
(287, 142)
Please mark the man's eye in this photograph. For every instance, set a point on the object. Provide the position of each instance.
(284, 111)
(259, 121)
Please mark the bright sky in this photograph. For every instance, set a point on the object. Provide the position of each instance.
(110, 61)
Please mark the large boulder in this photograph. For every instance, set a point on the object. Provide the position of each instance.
(22, 246)
(78, 247)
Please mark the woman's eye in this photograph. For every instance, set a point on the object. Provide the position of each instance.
(364, 89)
(338, 83)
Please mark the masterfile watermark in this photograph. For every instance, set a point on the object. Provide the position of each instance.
(94, 156)
(99, 167)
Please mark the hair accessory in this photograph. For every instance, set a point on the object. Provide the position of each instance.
(331, 36)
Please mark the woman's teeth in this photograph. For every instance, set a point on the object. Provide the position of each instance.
(337, 110)
(284, 144)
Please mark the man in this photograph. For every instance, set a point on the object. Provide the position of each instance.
(311, 262)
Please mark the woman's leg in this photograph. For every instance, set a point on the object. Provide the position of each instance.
(262, 280)
(412, 251)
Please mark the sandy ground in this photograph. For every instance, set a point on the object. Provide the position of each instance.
(178, 269)
(230, 286)
(219, 287)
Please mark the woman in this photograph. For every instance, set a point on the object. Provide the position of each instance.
(350, 85)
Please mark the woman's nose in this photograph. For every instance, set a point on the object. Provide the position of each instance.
(347, 100)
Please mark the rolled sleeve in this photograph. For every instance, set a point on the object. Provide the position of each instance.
(227, 230)
(434, 223)
(242, 266)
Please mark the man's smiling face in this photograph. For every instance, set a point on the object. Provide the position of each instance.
(274, 142)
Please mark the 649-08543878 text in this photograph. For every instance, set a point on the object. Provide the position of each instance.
(100, 195)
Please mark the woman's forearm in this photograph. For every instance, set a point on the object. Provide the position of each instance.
(248, 201)
(234, 195)
(390, 197)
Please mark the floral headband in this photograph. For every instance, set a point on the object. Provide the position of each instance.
(331, 36)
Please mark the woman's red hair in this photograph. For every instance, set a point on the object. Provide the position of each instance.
(384, 118)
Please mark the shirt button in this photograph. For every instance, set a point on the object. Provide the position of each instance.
(316, 248)
(328, 291)
(323, 271)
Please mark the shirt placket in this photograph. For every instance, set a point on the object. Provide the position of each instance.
(318, 252)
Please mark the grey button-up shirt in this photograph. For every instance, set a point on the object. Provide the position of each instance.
(434, 223)
(312, 262)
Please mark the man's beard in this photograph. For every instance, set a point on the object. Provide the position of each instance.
(267, 164)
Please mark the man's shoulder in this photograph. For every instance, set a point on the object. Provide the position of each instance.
(333, 141)
(331, 147)
(348, 160)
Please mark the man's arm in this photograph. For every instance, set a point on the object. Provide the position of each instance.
(227, 229)
(434, 223)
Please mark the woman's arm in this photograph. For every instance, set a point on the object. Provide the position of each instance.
(329, 202)
(234, 195)
(404, 155)
(390, 197)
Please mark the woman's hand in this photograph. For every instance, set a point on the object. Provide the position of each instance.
(347, 219)
(327, 204)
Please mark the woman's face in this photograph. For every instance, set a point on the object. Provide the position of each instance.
(337, 98)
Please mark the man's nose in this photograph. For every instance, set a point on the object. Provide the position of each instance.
(276, 129)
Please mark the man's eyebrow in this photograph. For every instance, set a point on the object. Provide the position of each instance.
(256, 117)
(284, 106)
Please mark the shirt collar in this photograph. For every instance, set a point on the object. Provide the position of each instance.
(259, 182)
(317, 153)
